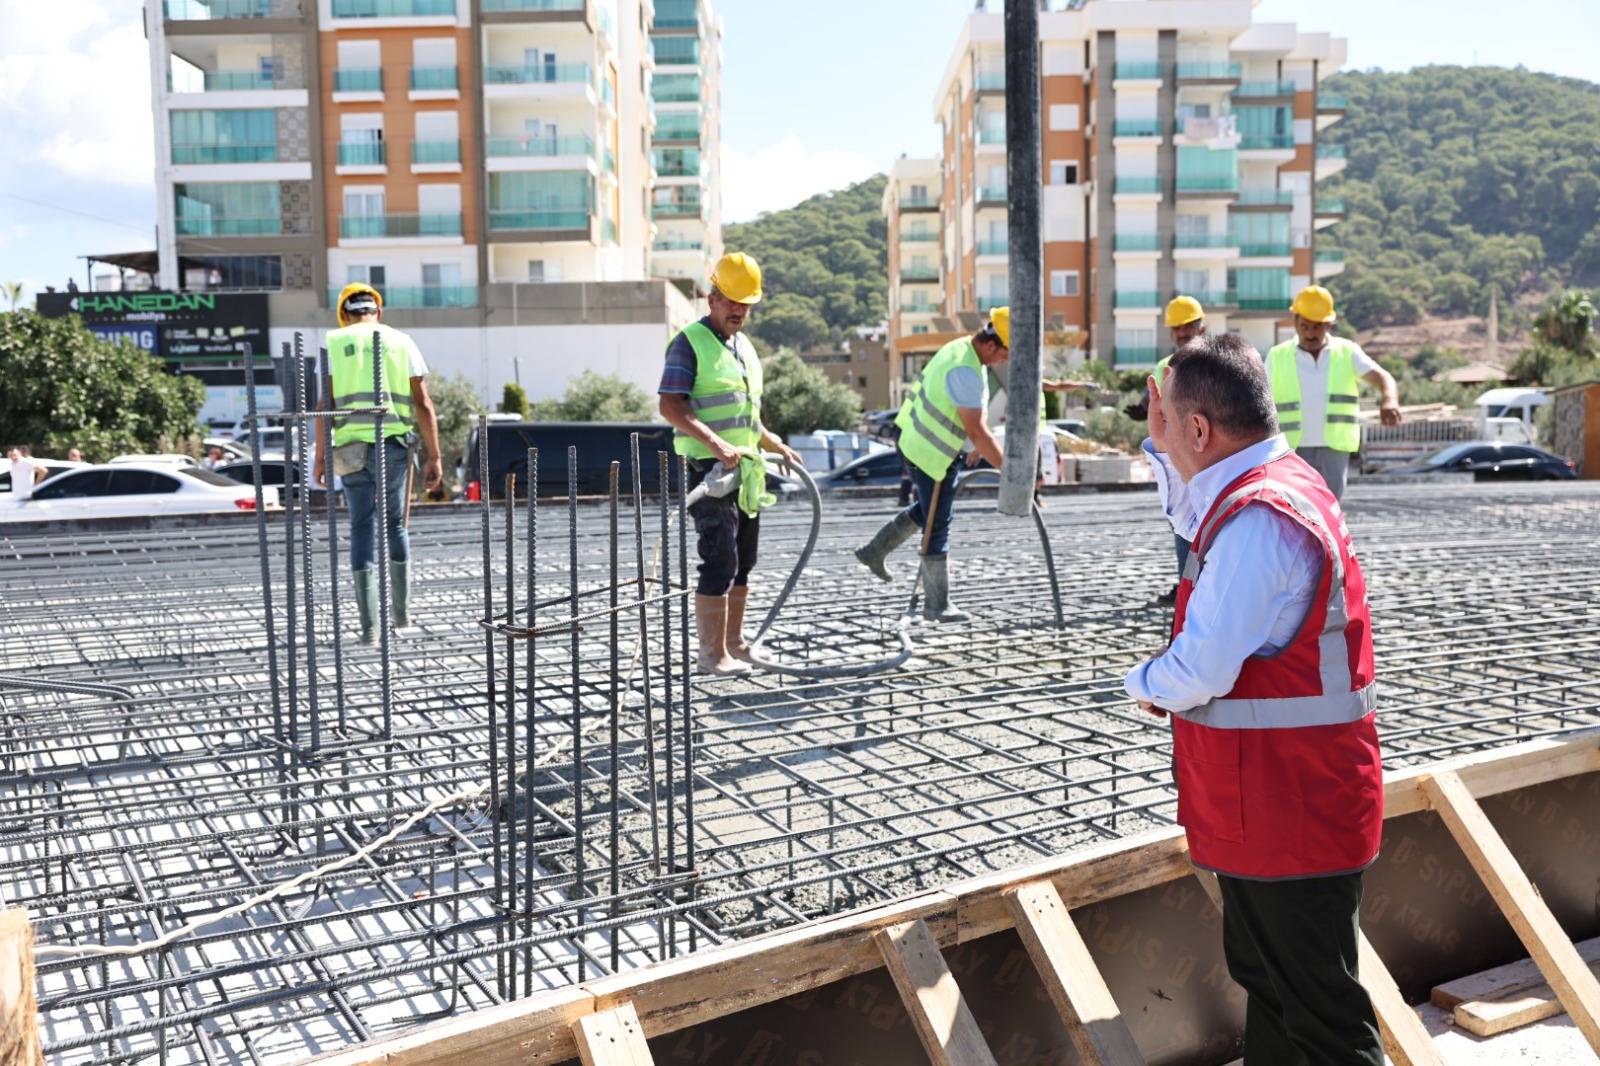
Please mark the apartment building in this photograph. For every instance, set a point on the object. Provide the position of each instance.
(485, 163)
(1181, 154)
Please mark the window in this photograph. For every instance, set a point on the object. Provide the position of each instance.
(1063, 283)
(231, 273)
(140, 483)
(1064, 116)
(441, 285)
(919, 329)
(231, 209)
(76, 486)
(224, 136)
(365, 202)
(1063, 173)
(918, 192)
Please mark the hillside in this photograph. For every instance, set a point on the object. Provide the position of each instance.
(1463, 180)
(824, 262)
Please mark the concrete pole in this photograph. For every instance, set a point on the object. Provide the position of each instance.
(1023, 185)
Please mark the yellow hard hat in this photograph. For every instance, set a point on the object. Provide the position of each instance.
(1183, 310)
(355, 288)
(1314, 304)
(738, 277)
(1000, 322)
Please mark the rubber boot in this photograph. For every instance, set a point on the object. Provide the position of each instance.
(711, 619)
(738, 647)
(400, 593)
(876, 551)
(367, 603)
(936, 605)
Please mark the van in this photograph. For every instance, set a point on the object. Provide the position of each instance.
(598, 444)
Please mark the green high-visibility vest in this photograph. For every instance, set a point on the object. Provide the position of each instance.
(931, 433)
(1342, 428)
(726, 394)
(350, 365)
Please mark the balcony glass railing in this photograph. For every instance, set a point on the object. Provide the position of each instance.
(680, 209)
(1137, 127)
(1264, 88)
(361, 154)
(1328, 255)
(1256, 302)
(224, 153)
(1202, 240)
(1207, 183)
(371, 226)
(992, 193)
(435, 152)
(1144, 71)
(676, 128)
(918, 202)
(915, 274)
(228, 227)
(668, 90)
(675, 245)
(358, 81)
(1138, 299)
(533, 5)
(1257, 251)
(1330, 151)
(918, 238)
(994, 247)
(1209, 70)
(434, 79)
(549, 218)
(677, 14)
(997, 136)
(1128, 356)
(546, 74)
(989, 303)
(502, 147)
(222, 81)
(1265, 198)
(1206, 297)
(392, 9)
(1330, 205)
(608, 161)
(1138, 242)
(1332, 102)
(1266, 140)
(420, 297)
(191, 10)
(992, 81)
(1138, 185)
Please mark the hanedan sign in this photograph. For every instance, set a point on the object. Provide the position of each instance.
(180, 327)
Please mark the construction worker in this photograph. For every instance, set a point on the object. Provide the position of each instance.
(1315, 385)
(1185, 320)
(409, 414)
(946, 410)
(711, 393)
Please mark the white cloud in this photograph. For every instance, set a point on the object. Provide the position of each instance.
(782, 174)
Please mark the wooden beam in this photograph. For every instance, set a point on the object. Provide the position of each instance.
(1070, 975)
(612, 1038)
(1548, 945)
(932, 998)
(19, 1007)
(1497, 770)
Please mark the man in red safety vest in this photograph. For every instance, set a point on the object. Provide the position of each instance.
(1270, 683)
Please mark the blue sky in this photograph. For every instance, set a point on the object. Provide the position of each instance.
(815, 95)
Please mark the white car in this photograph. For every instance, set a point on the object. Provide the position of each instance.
(164, 459)
(125, 490)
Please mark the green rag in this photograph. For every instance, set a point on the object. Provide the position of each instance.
(753, 494)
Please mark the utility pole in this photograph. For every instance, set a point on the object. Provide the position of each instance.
(1023, 181)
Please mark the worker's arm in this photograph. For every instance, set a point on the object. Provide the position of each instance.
(1066, 385)
(319, 461)
(428, 426)
(675, 409)
(770, 443)
(1389, 406)
(983, 441)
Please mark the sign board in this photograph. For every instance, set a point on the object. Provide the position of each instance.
(180, 327)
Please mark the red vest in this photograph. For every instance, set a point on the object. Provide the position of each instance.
(1281, 777)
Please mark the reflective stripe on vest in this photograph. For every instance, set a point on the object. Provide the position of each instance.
(1337, 705)
(726, 394)
(931, 433)
(350, 365)
(1341, 425)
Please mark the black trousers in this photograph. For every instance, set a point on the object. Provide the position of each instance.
(728, 538)
(1292, 945)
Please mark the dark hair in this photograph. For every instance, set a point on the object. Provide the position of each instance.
(1223, 377)
(990, 334)
(23, 448)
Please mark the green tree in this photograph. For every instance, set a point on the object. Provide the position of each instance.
(1567, 321)
(62, 386)
(798, 398)
(13, 291)
(790, 321)
(457, 405)
(594, 397)
(514, 400)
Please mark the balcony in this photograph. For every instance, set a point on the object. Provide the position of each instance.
(1261, 141)
(184, 154)
(914, 275)
(1126, 356)
(1137, 242)
(1264, 89)
(558, 218)
(358, 81)
(1328, 255)
(989, 303)
(674, 245)
(229, 227)
(992, 136)
(361, 154)
(1208, 183)
(1209, 71)
(608, 161)
(1265, 251)
(533, 5)
(1136, 127)
(199, 10)
(371, 227)
(1257, 303)
(1202, 240)
(1331, 151)
(1330, 205)
(539, 147)
(1137, 71)
(994, 247)
(991, 194)
(677, 15)
(422, 296)
(919, 238)
(676, 129)
(435, 153)
(1137, 299)
(548, 74)
(1138, 186)
(1332, 102)
(991, 83)
(392, 9)
(434, 79)
(1265, 198)
(919, 203)
(677, 209)
(222, 81)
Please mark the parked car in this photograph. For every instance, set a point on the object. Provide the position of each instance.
(1075, 426)
(285, 476)
(123, 490)
(598, 445)
(881, 468)
(52, 467)
(273, 439)
(1491, 461)
(163, 459)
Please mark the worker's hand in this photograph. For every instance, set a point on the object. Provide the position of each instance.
(432, 474)
(1139, 412)
(723, 452)
(791, 458)
(973, 459)
(1389, 413)
(319, 468)
(1145, 705)
(1157, 419)
(1065, 385)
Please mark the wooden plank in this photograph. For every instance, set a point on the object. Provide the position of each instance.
(19, 1007)
(1093, 1019)
(612, 1038)
(1405, 1038)
(1502, 980)
(1548, 945)
(932, 998)
(1507, 997)
(1497, 770)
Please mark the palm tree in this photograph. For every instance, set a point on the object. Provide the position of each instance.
(13, 291)
(1568, 320)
